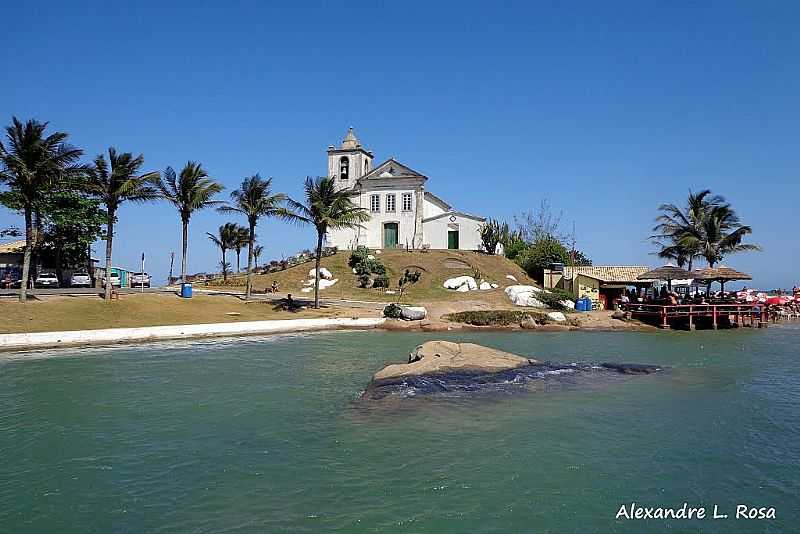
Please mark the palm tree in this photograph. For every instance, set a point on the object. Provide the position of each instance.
(326, 208)
(190, 191)
(115, 182)
(722, 235)
(225, 240)
(707, 228)
(254, 199)
(240, 240)
(32, 165)
(676, 227)
(257, 252)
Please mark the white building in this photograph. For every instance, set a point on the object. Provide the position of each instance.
(403, 213)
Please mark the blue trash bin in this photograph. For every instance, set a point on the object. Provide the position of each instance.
(186, 290)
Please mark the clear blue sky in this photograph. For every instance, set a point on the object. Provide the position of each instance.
(605, 108)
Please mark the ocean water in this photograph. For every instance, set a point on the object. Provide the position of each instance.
(269, 435)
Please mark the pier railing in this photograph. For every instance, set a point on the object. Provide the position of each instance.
(735, 313)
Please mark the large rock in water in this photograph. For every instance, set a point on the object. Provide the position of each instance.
(440, 357)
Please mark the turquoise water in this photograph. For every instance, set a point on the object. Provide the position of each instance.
(268, 435)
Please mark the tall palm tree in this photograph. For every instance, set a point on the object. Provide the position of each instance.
(32, 165)
(255, 200)
(257, 252)
(722, 235)
(325, 208)
(225, 240)
(117, 181)
(240, 240)
(676, 226)
(190, 191)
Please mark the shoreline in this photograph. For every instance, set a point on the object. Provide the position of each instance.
(113, 336)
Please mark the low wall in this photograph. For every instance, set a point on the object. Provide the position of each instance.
(150, 333)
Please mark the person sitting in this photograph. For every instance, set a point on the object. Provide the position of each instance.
(274, 287)
(673, 300)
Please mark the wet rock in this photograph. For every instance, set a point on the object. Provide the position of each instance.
(631, 368)
(528, 323)
(557, 316)
(439, 357)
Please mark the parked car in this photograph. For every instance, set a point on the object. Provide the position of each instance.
(46, 280)
(140, 279)
(115, 281)
(80, 279)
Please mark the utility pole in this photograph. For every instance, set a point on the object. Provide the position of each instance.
(171, 265)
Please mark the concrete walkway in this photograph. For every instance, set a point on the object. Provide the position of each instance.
(15, 342)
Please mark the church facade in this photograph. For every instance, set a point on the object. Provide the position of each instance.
(403, 213)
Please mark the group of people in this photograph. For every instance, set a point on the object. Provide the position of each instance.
(663, 296)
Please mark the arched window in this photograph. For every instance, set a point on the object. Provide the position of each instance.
(344, 168)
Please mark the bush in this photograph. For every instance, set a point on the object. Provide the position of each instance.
(540, 255)
(380, 281)
(364, 280)
(515, 247)
(393, 311)
(357, 256)
(500, 317)
(552, 298)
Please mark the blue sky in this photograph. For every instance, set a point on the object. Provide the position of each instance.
(605, 108)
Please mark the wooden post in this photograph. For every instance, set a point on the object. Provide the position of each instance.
(691, 322)
(664, 323)
(714, 317)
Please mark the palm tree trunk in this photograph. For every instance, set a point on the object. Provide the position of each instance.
(224, 269)
(250, 244)
(26, 261)
(316, 270)
(185, 246)
(238, 260)
(109, 245)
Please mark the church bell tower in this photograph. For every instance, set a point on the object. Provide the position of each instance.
(349, 162)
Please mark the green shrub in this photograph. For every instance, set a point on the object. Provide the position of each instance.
(380, 281)
(393, 311)
(359, 255)
(552, 298)
(540, 255)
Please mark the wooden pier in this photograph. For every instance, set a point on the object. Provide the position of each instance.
(709, 315)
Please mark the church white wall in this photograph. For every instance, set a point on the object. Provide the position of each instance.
(468, 232)
(371, 235)
(431, 209)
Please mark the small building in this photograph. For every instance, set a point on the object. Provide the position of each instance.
(11, 255)
(602, 284)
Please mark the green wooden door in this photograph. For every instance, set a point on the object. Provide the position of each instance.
(452, 239)
(390, 235)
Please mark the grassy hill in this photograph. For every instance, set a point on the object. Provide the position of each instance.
(436, 266)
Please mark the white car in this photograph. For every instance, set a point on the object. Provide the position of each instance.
(140, 280)
(80, 280)
(115, 281)
(46, 279)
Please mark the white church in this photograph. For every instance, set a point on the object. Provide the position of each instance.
(402, 212)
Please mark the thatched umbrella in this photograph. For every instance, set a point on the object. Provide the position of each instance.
(720, 274)
(667, 272)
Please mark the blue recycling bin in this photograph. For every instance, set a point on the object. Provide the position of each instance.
(186, 290)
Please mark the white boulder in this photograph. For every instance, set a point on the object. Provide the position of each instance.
(485, 286)
(568, 304)
(461, 281)
(494, 286)
(522, 295)
(557, 316)
(370, 257)
(413, 313)
(323, 283)
(307, 289)
(323, 273)
(512, 277)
